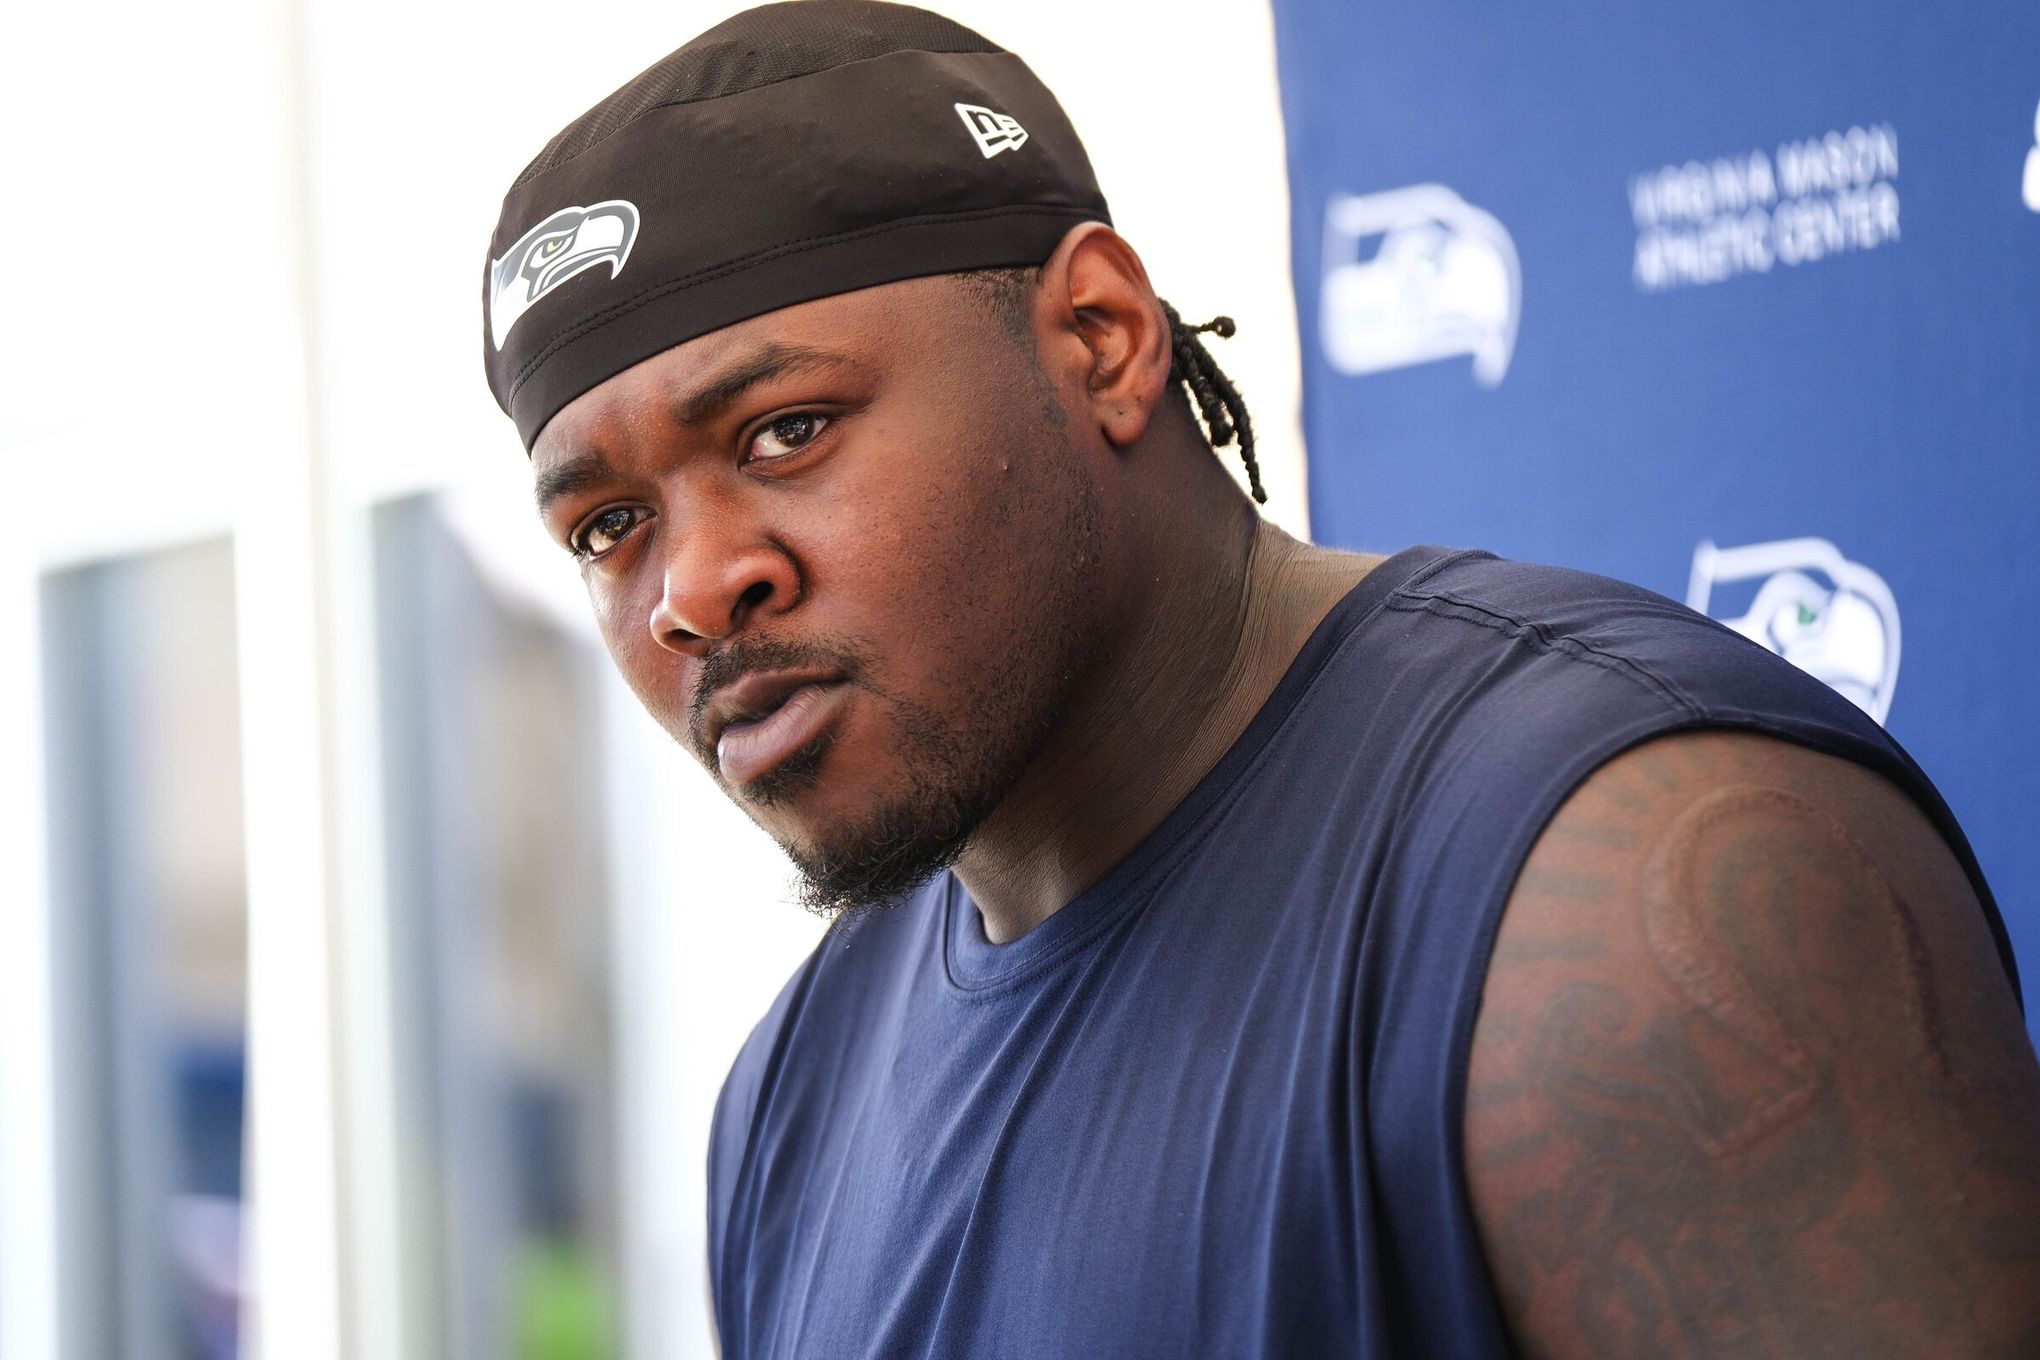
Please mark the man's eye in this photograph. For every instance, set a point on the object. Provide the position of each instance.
(785, 435)
(603, 531)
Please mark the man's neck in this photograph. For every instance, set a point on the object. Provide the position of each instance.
(1161, 713)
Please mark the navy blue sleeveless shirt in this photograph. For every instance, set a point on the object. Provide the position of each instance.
(1212, 1107)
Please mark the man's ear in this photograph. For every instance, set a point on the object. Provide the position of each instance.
(1106, 329)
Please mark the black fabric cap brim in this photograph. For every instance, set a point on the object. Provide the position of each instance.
(594, 350)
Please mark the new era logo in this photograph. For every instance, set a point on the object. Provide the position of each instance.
(995, 132)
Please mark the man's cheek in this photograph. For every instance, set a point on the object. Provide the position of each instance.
(607, 605)
(624, 650)
(655, 674)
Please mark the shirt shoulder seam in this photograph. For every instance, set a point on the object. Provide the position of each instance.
(1545, 638)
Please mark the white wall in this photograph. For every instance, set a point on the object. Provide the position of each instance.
(252, 305)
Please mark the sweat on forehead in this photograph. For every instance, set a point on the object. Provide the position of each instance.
(792, 152)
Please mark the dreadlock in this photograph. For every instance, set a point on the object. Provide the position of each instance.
(1218, 401)
(1004, 293)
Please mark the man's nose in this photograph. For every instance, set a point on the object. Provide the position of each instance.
(717, 582)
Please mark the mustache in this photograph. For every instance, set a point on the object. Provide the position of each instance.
(747, 656)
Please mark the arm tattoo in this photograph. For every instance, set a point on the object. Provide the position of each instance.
(1735, 1093)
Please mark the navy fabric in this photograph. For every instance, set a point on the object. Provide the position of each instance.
(1212, 1106)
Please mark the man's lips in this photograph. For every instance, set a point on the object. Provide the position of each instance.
(760, 720)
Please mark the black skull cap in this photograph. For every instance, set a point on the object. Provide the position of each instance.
(792, 152)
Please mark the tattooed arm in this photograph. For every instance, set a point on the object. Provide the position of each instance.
(1748, 1078)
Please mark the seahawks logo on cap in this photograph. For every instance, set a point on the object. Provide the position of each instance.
(570, 242)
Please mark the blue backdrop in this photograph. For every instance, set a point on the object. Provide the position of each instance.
(1740, 302)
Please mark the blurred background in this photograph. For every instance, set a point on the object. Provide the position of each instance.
(369, 964)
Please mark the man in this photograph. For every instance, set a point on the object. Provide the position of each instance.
(1243, 949)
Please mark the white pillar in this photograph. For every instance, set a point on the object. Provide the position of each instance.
(29, 1245)
(284, 582)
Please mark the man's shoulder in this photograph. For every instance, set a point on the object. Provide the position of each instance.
(1565, 608)
(1594, 631)
(847, 966)
(1748, 1069)
(1526, 587)
(736, 1105)
(804, 1036)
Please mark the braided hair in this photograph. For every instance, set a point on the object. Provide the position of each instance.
(1004, 293)
(1218, 401)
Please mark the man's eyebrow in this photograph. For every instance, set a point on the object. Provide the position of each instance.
(577, 474)
(697, 407)
(705, 402)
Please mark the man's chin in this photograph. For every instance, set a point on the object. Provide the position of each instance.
(868, 814)
(850, 866)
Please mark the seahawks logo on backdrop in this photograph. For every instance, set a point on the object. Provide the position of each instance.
(1833, 618)
(568, 243)
(2032, 185)
(1416, 274)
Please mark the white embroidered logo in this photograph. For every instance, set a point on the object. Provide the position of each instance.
(995, 132)
(566, 244)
